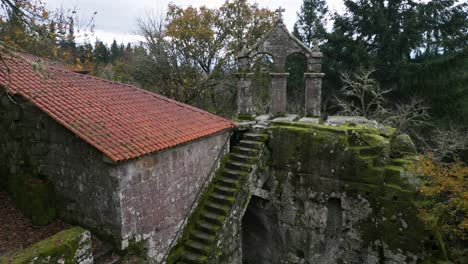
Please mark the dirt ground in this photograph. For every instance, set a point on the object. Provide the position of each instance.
(17, 232)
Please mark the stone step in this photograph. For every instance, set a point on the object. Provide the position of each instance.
(217, 208)
(202, 236)
(367, 150)
(373, 175)
(370, 160)
(242, 158)
(213, 218)
(250, 144)
(222, 199)
(229, 182)
(193, 258)
(246, 151)
(256, 137)
(240, 166)
(393, 174)
(259, 128)
(207, 227)
(198, 247)
(225, 190)
(234, 174)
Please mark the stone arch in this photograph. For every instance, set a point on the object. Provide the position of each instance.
(279, 43)
(261, 64)
(296, 66)
(263, 56)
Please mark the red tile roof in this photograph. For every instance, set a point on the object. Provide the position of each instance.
(120, 120)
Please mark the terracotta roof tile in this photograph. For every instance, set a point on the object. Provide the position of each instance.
(120, 120)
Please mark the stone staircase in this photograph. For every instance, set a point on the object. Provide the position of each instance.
(200, 235)
(373, 167)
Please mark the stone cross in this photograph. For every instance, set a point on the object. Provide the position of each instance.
(280, 11)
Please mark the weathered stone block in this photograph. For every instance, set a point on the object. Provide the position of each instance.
(402, 145)
(69, 246)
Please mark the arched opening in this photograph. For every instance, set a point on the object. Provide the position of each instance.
(261, 66)
(296, 66)
(261, 240)
(333, 229)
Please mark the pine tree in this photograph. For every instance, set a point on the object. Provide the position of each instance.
(311, 23)
(115, 52)
(101, 53)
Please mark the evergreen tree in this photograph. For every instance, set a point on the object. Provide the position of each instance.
(417, 48)
(445, 27)
(101, 53)
(311, 23)
(115, 52)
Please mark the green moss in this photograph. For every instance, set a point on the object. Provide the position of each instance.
(245, 117)
(355, 159)
(402, 145)
(176, 252)
(395, 222)
(303, 148)
(136, 252)
(388, 132)
(61, 246)
(34, 197)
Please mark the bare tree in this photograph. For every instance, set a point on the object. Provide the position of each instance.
(406, 116)
(361, 95)
(447, 142)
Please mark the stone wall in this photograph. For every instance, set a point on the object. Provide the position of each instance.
(158, 191)
(336, 195)
(69, 246)
(142, 199)
(35, 148)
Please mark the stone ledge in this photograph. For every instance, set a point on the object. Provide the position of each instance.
(69, 246)
(313, 75)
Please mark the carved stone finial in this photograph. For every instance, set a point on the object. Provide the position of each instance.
(280, 11)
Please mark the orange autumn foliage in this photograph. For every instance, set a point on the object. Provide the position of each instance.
(446, 191)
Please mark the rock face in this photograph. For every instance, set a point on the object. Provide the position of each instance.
(402, 145)
(337, 195)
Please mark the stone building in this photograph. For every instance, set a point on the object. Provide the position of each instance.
(279, 43)
(123, 162)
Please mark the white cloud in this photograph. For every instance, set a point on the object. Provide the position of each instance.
(116, 19)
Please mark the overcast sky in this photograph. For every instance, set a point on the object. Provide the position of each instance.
(116, 19)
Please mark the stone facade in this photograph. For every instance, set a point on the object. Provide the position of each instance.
(279, 43)
(35, 145)
(158, 191)
(141, 199)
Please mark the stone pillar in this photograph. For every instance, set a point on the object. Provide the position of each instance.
(244, 93)
(313, 83)
(278, 92)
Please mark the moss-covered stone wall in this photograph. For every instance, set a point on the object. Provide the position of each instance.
(50, 172)
(69, 246)
(339, 194)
